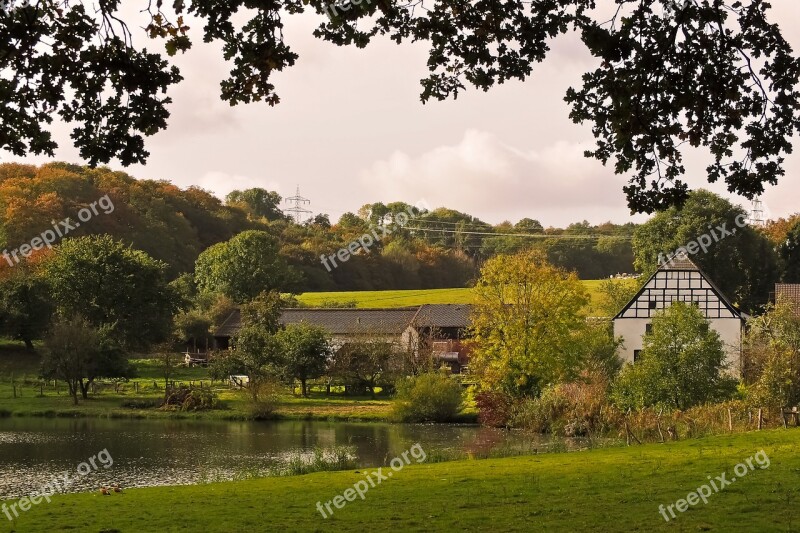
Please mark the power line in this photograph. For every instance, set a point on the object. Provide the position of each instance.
(526, 235)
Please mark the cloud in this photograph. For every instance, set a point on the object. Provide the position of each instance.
(482, 175)
(221, 183)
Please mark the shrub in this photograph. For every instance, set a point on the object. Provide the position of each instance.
(268, 397)
(495, 408)
(572, 409)
(540, 414)
(433, 397)
(186, 398)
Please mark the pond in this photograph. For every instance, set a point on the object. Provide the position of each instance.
(140, 453)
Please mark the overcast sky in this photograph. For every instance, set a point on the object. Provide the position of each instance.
(350, 129)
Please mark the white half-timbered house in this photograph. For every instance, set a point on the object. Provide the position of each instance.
(680, 280)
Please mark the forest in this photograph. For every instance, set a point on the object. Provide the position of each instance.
(439, 248)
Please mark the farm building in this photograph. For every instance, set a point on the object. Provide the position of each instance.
(680, 280)
(439, 328)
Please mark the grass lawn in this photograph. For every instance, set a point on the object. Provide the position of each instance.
(136, 398)
(605, 490)
(414, 297)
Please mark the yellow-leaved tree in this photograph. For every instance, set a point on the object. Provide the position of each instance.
(527, 324)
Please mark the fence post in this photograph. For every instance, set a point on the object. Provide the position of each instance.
(730, 420)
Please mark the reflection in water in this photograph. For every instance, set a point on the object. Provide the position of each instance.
(175, 452)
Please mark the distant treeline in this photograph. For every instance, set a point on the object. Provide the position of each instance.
(436, 249)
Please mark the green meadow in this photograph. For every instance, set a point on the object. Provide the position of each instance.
(605, 490)
(413, 297)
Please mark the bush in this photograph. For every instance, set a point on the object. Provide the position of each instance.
(495, 408)
(572, 409)
(190, 399)
(433, 397)
(268, 395)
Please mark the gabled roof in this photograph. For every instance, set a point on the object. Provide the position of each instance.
(355, 321)
(682, 263)
(443, 316)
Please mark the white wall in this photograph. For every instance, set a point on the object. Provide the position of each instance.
(729, 329)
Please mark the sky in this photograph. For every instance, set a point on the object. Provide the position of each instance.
(351, 129)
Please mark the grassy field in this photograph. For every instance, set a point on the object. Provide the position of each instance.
(413, 297)
(608, 490)
(138, 397)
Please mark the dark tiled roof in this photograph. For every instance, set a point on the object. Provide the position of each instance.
(443, 316)
(679, 262)
(353, 321)
(789, 291)
(391, 321)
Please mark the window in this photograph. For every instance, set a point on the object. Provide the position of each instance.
(636, 355)
(652, 304)
(648, 328)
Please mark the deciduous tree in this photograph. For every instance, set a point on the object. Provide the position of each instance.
(243, 267)
(114, 287)
(682, 364)
(527, 323)
(305, 352)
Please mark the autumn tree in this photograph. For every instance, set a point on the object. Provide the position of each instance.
(527, 323)
(614, 294)
(772, 356)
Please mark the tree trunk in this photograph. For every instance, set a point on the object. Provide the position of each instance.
(85, 389)
(303, 387)
(73, 391)
(28, 344)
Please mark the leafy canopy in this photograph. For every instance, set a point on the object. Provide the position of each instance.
(740, 260)
(305, 349)
(113, 287)
(704, 73)
(527, 324)
(243, 267)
